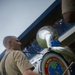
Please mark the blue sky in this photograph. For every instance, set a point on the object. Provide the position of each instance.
(17, 15)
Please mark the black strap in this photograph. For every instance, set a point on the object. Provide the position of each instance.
(4, 71)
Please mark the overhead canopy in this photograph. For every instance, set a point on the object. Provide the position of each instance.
(49, 17)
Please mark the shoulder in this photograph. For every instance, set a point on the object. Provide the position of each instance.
(18, 55)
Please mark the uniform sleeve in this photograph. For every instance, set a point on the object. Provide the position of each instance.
(22, 62)
(68, 6)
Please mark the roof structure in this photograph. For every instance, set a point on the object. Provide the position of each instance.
(49, 17)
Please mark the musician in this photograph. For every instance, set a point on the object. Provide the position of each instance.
(14, 60)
